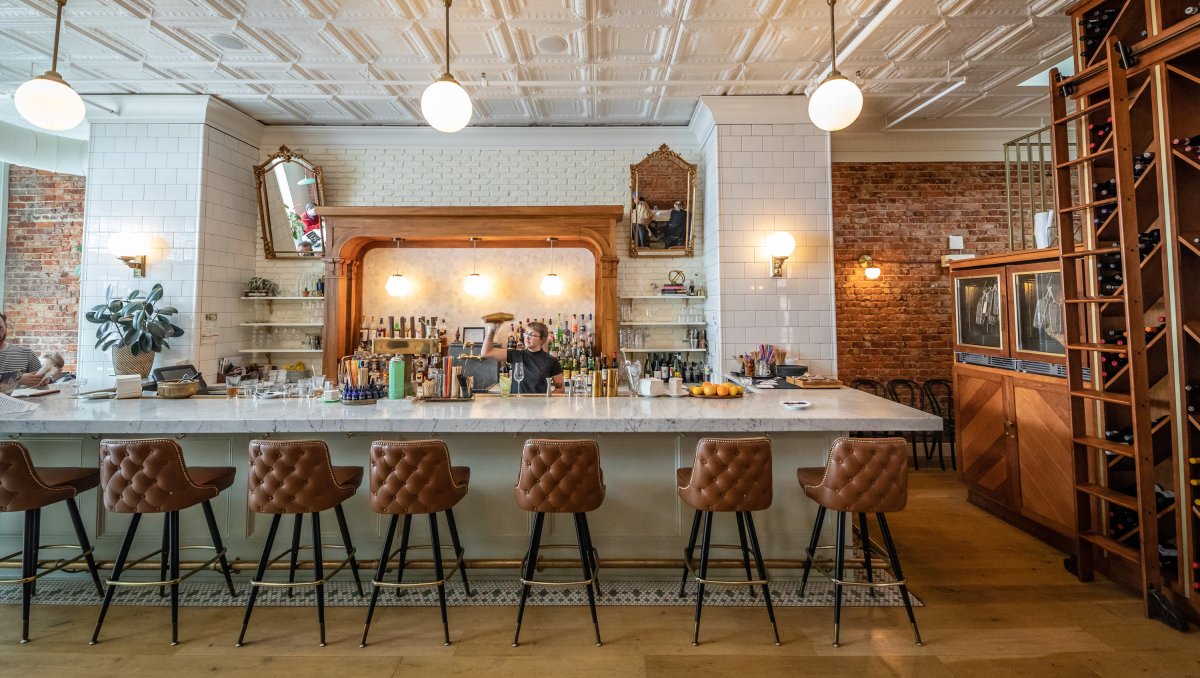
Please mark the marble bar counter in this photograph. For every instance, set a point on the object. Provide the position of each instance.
(642, 443)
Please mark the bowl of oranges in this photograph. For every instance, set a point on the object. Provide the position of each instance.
(717, 391)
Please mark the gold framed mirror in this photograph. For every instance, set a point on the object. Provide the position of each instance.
(662, 197)
(290, 189)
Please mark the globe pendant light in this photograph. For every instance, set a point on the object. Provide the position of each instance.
(837, 102)
(445, 104)
(552, 285)
(48, 101)
(475, 284)
(397, 285)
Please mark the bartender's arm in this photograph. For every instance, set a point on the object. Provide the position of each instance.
(489, 348)
(33, 376)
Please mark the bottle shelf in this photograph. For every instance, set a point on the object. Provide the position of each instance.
(663, 296)
(286, 298)
(665, 349)
(281, 350)
(653, 323)
(313, 324)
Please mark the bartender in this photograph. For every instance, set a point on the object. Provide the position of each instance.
(539, 365)
(16, 358)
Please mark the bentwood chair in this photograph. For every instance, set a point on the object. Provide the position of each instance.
(907, 392)
(939, 398)
(29, 489)
(876, 389)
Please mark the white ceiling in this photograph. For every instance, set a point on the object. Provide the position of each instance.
(626, 62)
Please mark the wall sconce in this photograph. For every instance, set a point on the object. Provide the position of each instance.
(132, 249)
(552, 285)
(780, 246)
(475, 284)
(870, 267)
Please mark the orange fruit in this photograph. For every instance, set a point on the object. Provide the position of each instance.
(722, 390)
(709, 389)
(696, 390)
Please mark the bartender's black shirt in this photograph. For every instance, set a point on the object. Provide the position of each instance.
(539, 366)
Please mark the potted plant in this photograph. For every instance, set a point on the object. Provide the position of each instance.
(261, 287)
(135, 329)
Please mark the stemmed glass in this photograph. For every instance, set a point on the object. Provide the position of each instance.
(518, 375)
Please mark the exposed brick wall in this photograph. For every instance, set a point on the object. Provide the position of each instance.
(41, 270)
(900, 213)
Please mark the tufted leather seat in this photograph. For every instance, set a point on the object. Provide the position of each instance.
(863, 475)
(297, 476)
(415, 477)
(149, 476)
(560, 476)
(728, 475)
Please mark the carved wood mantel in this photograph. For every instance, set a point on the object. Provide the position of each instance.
(351, 232)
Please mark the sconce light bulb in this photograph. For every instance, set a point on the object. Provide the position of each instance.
(477, 285)
(552, 285)
(872, 272)
(780, 244)
(127, 244)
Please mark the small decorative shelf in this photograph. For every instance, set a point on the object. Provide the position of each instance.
(665, 349)
(280, 350)
(282, 324)
(652, 323)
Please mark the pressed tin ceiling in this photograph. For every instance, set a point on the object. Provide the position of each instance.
(547, 62)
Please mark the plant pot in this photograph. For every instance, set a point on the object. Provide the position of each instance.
(125, 362)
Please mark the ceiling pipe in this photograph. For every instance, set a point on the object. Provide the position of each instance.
(43, 151)
(924, 104)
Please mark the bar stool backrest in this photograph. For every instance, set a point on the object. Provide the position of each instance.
(413, 477)
(148, 476)
(869, 386)
(905, 392)
(293, 476)
(730, 474)
(20, 487)
(560, 476)
(939, 395)
(864, 475)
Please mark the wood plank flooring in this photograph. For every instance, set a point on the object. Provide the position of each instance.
(997, 603)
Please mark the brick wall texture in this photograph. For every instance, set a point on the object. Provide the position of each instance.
(41, 270)
(898, 326)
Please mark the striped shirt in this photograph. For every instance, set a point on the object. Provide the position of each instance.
(14, 358)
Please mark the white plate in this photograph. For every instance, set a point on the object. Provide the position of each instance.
(796, 404)
(685, 394)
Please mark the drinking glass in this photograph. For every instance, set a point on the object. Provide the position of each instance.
(518, 374)
(231, 385)
(80, 383)
(549, 386)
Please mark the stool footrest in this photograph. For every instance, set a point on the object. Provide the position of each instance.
(726, 582)
(316, 582)
(59, 564)
(168, 582)
(446, 575)
(580, 582)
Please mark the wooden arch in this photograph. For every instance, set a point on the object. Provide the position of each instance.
(351, 232)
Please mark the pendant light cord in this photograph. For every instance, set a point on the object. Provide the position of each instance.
(448, 3)
(832, 41)
(57, 32)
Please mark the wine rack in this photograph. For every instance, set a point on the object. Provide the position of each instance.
(1129, 226)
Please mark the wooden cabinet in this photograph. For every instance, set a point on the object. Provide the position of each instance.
(1014, 438)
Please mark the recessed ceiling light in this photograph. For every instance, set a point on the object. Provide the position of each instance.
(552, 44)
(229, 42)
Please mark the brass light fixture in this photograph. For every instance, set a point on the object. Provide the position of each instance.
(780, 246)
(870, 267)
(397, 285)
(552, 285)
(131, 248)
(837, 101)
(445, 104)
(47, 100)
(475, 284)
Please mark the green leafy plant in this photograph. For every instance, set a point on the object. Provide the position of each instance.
(135, 322)
(264, 286)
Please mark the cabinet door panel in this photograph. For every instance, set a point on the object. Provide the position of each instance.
(983, 439)
(1044, 453)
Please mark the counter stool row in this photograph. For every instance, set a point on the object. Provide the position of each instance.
(413, 478)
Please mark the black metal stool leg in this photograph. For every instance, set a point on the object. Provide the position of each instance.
(173, 521)
(762, 574)
(708, 517)
(164, 558)
(458, 549)
(319, 573)
(118, 565)
(745, 550)
(85, 544)
(439, 572)
(891, 547)
(403, 555)
(585, 560)
(379, 575)
(691, 547)
(587, 533)
(258, 575)
(28, 569)
(215, 532)
(865, 539)
(839, 571)
(527, 574)
(812, 548)
(294, 558)
(341, 518)
(37, 547)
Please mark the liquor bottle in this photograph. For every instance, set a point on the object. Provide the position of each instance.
(1163, 498)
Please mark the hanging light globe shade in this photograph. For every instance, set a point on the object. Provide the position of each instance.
(49, 102)
(552, 285)
(398, 286)
(446, 105)
(836, 103)
(477, 285)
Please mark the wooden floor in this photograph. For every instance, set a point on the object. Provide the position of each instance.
(998, 603)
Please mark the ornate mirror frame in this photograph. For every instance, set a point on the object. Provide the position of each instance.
(664, 157)
(261, 173)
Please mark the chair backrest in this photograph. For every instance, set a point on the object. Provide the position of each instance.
(412, 477)
(730, 474)
(20, 487)
(293, 476)
(870, 386)
(864, 475)
(148, 476)
(560, 476)
(906, 392)
(939, 397)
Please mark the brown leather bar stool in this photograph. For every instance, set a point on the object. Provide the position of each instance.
(410, 478)
(560, 476)
(294, 477)
(863, 475)
(28, 489)
(729, 475)
(149, 476)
